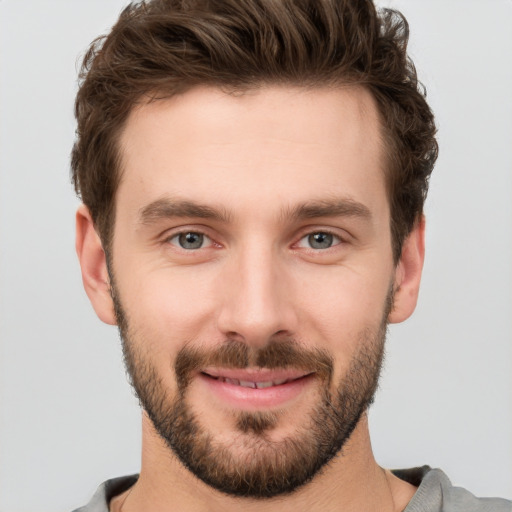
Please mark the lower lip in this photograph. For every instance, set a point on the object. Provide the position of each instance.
(255, 399)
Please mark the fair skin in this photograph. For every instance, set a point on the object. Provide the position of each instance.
(272, 166)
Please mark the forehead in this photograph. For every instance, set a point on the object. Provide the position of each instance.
(271, 146)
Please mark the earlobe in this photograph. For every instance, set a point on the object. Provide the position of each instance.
(408, 274)
(94, 266)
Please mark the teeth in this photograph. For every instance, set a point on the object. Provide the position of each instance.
(247, 384)
(253, 385)
(262, 385)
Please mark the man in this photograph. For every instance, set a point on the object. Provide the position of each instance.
(253, 176)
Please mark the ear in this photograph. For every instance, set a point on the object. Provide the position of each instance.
(93, 263)
(408, 274)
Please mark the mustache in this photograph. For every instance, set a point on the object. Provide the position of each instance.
(238, 355)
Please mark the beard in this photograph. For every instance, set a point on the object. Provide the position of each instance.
(252, 465)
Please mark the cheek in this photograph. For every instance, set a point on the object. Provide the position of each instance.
(338, 314)
(169, 305)
(164, 312)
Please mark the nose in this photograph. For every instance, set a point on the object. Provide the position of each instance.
(257, 298)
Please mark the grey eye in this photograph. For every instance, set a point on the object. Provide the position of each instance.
(320, 240)
(189, 240)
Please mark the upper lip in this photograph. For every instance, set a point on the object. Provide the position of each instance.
(256, 374)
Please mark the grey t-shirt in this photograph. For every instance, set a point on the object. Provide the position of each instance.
(435, 494)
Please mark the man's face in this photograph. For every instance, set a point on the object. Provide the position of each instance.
(253, 277)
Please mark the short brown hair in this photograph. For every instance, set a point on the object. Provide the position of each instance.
(159, 48)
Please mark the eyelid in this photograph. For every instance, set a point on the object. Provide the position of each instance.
(340, 233)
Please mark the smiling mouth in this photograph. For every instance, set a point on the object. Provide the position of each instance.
(256, 383)
(255, 388)
(253, 384)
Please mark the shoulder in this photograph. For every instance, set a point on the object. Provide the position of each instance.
(106, 491)
(437, 494)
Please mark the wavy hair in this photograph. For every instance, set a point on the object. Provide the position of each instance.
(164, 47)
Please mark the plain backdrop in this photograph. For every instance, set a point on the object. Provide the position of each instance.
(68, 419)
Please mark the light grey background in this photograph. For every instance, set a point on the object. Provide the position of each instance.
(68, 419)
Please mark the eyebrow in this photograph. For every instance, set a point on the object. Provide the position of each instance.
(345, 207)
(167, 208)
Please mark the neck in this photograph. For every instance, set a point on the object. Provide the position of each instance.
(351, 481)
